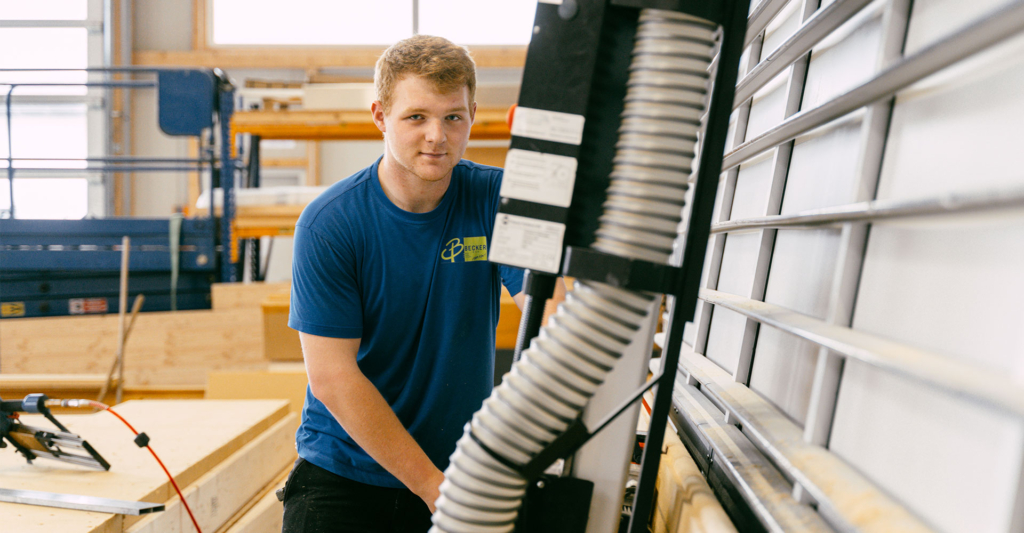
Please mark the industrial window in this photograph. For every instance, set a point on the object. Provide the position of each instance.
(930, 269)
(47, 121)
(339, 23)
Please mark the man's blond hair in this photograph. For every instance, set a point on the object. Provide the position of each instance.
(437, 59)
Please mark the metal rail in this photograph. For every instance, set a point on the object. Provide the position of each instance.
(884, 210)
(944, 373)
(845, 499)
(761, 17)
(998, 26)
(817, 27)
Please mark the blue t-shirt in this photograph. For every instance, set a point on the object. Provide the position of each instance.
(418, 290)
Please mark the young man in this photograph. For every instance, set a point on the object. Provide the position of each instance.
(396, 305)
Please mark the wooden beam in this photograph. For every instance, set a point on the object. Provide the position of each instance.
(685, 501)
(266, 516)
(228, 486)
(263, 57)
(166, 348)
(191, 436)
(199, 28)
(313, 163)
(264, 513)
(344, 125)
(284, 162)
(245, 295)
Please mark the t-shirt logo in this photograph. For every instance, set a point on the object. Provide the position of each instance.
(470, 248)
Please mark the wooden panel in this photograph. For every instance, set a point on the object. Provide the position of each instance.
(264, 517)
(245, 295)
(487, 155)
(172, 348)
(274, 384)
(508, 322)
(219, 493)
(684, 501)
(306, 57)
(345, 125)
(191, 437)
(65, 386)
(280, 342)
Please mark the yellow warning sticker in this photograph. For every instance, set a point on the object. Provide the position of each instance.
(11, 309)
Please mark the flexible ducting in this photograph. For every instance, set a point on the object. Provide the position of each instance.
(563, 367)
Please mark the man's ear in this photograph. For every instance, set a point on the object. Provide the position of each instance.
(377, 112)
(472, 113)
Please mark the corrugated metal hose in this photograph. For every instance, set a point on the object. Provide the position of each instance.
(563, 367)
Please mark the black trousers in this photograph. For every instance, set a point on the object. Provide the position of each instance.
(318, 501)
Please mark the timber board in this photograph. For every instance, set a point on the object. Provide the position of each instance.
(191, 436)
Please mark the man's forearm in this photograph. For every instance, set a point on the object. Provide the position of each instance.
(369, 420)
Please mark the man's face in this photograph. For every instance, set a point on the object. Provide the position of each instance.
(425, 131)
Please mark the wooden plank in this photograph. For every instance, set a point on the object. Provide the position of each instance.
(191, 437)
(245, 295)
(220, 492)
(313, 163)
(266, 516)
(302, 57)
(684, 502)
(171, 348)
(345, 125)
(487, 155)
(67, 386)
(273, 384)
(280, 342)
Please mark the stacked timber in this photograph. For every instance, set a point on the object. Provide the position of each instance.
(165, 349)
(227, 456)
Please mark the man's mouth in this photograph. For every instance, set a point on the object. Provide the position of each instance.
(430, 154)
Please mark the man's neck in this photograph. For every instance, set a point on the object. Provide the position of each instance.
(407, 191)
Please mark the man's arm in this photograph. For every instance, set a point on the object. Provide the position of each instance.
(335, 380)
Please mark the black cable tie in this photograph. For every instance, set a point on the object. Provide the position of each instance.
(142, 440)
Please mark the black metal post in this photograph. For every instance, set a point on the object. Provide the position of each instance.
(538, 288)
(734, 29)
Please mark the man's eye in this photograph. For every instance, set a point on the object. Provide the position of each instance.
(416, 117)
(454, 117)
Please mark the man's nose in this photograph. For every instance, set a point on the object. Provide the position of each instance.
(435, 132)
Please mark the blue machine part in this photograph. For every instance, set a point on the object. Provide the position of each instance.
(94, 245)
(185, 101)
(61, 267)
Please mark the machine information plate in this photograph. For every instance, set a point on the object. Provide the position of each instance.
(527, 243)
(541, 178)
(548, 125)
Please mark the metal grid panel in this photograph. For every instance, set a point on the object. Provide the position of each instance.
(809, 257)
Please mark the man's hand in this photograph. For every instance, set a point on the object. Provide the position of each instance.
(430, 489)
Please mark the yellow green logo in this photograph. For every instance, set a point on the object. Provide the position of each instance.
(476, 249)
(470, 248)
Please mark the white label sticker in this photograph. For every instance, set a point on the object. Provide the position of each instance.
(527, 243)
(548, 125)
(541, 178)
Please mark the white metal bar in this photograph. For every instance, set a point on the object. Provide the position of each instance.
(780, 170)
(998, 26)
(876, 210)
(853, 240)
(728, 195)
(90, 25)
(760, 18)
(812, 30)
(941, 372)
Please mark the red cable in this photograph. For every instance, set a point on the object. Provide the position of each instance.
(648, 407)
(107, 408)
